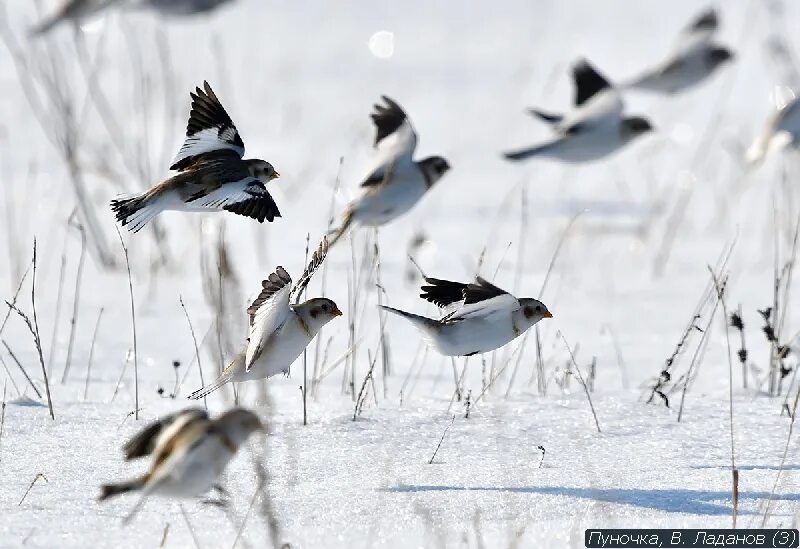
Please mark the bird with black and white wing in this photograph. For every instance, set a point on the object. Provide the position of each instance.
(212, 173)
(596, 126)
(693, 58)
(189, 451)
(279, 330)
(395, 182)
(477, 317)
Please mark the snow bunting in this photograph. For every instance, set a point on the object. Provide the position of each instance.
(478, 317)
(693, 58)
(71, 10)
(279, 331)
(212, 176)
(394, 182)
(782, 129)
(595, 128)
(189, 452)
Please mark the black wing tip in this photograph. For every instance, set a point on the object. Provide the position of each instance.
(261, 208)
(588, 80)
(707, 20)
(442, 292)
(387, 118)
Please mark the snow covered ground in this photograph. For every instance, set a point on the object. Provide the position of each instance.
(299, 79)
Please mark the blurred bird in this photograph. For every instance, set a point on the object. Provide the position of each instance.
(279, 331)
(781, 129)
(189, 451)
(182, 7)
(71, 10)
(693, 58)
(395, 182)
(212, 176)
(477, 317)
(593, 129)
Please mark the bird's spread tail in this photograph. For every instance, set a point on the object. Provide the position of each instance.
(134, 212)
(342, 230)
(111, 490)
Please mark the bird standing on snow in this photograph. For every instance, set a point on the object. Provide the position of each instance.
(71, 10)
(395, 182)
(782, 129)
(595, 127)
(212, 176)
(189, 452)
(279, 331)
(478, 317)
(693, 58)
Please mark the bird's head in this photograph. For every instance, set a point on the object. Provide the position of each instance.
(238, 424)
(719, 56)
(533, 310)
(635, 126)
(317, 312)
(434, 167)
(262, 170)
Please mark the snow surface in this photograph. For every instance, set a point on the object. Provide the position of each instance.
(298, 78)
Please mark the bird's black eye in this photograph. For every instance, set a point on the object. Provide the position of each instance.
(538, 308)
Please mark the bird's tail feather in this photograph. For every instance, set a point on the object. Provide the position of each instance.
(111, 490)
(523, 154)
(211, 387)
(548, 117)
(417, 320)
(135, 211)
(342, 230)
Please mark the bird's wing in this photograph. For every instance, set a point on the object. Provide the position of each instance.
(445, 294)
(482, 299)
(588, 82)
(226, 185)
(596, 101)
(145, 441)
(395, 141)
(210, 132)
(697, 33)
(268, 312)
(311, 268)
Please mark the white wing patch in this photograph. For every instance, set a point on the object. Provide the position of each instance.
(392, 153)
(505, 303)
(206, 141)
(269, 316)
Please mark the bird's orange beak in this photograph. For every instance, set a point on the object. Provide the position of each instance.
(275, 175)
(548, 314)
(337, 312)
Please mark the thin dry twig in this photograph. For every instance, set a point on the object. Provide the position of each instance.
(196, 351)
(430, 461)
(133, 324)
(582, 381)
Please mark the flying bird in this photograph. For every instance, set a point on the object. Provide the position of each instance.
(595, 128)
(212, 174)
(395, 182)
(781, 129)
(189, 451)
(693, 58)
(71, 10)
(279, 330)
(477, 317)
